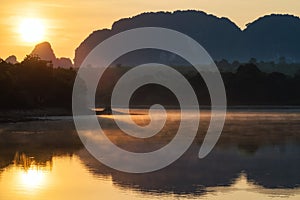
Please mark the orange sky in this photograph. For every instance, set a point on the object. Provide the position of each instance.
(68, 22)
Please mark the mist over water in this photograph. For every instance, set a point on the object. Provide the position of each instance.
(257, 157)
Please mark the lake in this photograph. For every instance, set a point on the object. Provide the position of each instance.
(257, 157)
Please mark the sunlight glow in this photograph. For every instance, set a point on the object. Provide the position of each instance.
(32, 30)
(32, 178)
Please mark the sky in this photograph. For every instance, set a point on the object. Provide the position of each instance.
(66, 23)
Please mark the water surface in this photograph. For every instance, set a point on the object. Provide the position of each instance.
(257, 157)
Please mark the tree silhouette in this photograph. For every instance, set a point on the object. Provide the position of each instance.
(34, 83)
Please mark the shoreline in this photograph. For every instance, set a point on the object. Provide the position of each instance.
(230, 107)
(25, 115)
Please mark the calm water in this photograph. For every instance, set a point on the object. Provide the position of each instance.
(257, 157)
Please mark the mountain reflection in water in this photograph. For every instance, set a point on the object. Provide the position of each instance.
(257, 156)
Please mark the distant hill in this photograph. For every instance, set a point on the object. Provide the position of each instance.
(11, 59)
(273, 36)
(266, 39)
(45, 52)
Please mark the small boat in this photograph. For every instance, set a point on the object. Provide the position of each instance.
(105, 111)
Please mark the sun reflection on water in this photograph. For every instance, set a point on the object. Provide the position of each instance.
(32, 175)
(229, 173)
(32, 179)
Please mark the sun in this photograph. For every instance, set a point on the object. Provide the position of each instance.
(32, 30)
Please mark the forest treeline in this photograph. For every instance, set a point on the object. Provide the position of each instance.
(35, 83)
(244, 85)
(281, 65)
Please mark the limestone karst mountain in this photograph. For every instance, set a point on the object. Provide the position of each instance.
(266, 39)
(11, 59)
(45, 52)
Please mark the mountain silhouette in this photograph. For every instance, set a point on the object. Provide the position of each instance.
(273, 36)
(267, 39)
(45, 52)
(11, 59)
